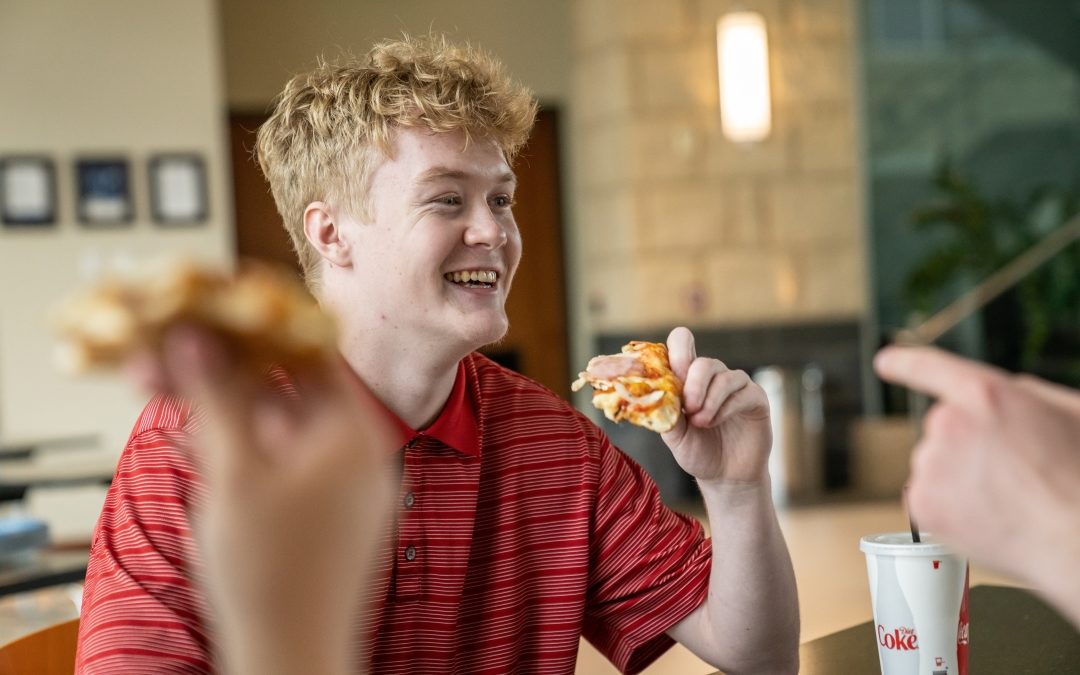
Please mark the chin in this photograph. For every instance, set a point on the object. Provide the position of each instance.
(491, 338)
(487, 334)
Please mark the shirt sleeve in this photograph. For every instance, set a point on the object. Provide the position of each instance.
(140, 612)
(650, 566)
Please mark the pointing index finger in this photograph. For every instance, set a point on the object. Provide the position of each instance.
(935, 372)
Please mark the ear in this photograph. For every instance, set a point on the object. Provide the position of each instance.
(324, 233)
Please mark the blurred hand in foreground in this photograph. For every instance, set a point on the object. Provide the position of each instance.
(298, 491)
(997, 471)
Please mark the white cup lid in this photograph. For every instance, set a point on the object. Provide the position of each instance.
(900, 544)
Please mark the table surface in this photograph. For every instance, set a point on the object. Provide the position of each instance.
(1012, 631)
(43, 568)
(28, 472)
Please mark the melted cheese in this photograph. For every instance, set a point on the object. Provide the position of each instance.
(651, 400)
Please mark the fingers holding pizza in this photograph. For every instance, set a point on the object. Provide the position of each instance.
(714, 420)
(274, 460)
(728, 435)
(220, 339)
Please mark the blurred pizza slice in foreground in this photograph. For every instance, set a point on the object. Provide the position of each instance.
(264, 313)
(636, 385)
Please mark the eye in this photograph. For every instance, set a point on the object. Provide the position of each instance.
(502, 201)
(448, 200)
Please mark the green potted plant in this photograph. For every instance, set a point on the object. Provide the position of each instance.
(1034, 326)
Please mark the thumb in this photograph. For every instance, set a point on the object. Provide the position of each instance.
(681, 351)
(199, 365)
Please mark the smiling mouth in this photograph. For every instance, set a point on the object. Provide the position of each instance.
(473, 278)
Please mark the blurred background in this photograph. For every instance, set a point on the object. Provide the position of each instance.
(907, 151)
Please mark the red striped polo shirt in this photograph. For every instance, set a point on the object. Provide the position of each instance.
(521, 528)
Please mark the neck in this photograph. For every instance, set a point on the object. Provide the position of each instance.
(411, 373)
(413, 382)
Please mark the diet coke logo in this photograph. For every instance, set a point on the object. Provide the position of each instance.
(900, 639)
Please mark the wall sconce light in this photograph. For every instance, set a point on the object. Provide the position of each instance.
(742, 51)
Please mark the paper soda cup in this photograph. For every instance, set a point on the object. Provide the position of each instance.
(919, 592)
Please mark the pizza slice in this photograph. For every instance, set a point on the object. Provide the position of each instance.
(636, 385)
(264, 313)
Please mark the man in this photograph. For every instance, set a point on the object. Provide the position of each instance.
(997, 471)
(520, 527)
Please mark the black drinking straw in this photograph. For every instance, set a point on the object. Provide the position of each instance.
(915, 536)
(917, 405)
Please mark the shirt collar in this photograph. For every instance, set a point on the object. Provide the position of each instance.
(457, 425)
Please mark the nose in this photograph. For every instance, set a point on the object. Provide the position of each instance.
(485, 230)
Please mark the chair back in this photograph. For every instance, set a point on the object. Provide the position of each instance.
(49, 651)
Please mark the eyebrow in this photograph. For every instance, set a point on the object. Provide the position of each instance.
(441, 173)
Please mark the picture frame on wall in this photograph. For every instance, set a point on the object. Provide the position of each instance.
(27, 191)
(103, 186)
(178, 189)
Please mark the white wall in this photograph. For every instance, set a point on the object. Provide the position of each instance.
(127, 77)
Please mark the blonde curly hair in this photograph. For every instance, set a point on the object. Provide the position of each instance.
(330, 127)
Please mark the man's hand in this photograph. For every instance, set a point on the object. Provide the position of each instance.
(750, 620)
(724, 435)
(997, 470)
(296, 493)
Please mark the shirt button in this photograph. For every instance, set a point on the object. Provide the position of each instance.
(410, 553)
(410, 500)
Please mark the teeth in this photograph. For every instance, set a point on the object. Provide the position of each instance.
(478, 276)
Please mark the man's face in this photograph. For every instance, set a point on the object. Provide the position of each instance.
(435, 263)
